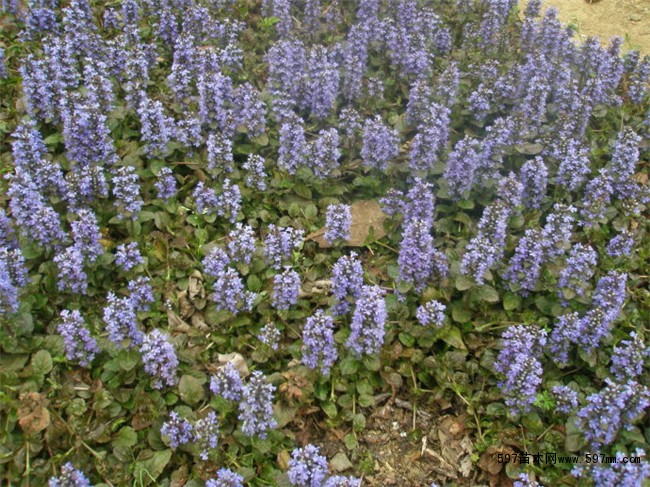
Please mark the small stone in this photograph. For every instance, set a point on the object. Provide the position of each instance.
(635, 17)
(340, 462)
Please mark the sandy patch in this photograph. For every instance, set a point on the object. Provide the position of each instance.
(629, 19)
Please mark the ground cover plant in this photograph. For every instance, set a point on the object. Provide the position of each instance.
(242, 242)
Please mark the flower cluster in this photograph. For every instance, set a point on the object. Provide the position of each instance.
(126, 190)
(307, 468)
(79, 344)
(226, 478)
(431, 313)
(86, 234)
(72, 276)
(128, 256)
(526, 263)
(166, 184)
(368, 322)
(613, 408)
(380, 144)
(227, 383)
(338, 221)
(418, 261)
(519, 361)
(255, 172)
(534, 179)
(121, 321)
(293, 149)
(347, 281)
(215, 263)
(141, 293)
(566, 399)
(621, 245)
(70, 477)
(629, 357)
(230, 294)
(178, 430)
(206, 434)
(286, 289)
(220, 152)
(256, 406)
(580, 268)
(242, 243)
(621, 473)
(279, 243)
(270, 335)
(486, 248)
(159, 358)
(13, 276)
(206, 199)
(318, 347)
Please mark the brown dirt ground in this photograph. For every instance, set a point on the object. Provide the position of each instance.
(607, 18)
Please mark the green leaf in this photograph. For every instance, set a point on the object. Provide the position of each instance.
(544, 304)
(487, 293)
(345, 401)
(453, 337)
(76, 407)
(372, 362)
(350, 442)
(302, 190)
(261, 140)
(573, 440)
(511, 301)
(310, 211)
(533, 422)
(23, 324)
(126, 437)
(460, 313)
(407, 340)
(42, 362)
(149, 470)
(348, 366)
(359, 422)
(466, 204)
(191, 389)
(30, 250)
(463, 283)
(366, 400)
(529, 148)
(145, 216)
(54, 139)
(128, 359)
(283, 414)
(254, 283)
(330, 409)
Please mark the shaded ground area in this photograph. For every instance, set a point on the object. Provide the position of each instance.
(607, 18)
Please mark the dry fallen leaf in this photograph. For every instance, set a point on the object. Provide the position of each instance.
(195, 287)
(294, 386)
(198, 322)
(489, 460)
(283, 460)
(366, 214)
(176, 323)
(184, 305)
(33, 415)
(237, 360)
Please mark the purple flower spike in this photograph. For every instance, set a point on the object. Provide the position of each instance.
(319, 349)
(307, 468)
(338, 221)
(159, 359)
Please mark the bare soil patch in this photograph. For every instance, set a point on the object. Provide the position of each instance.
(629, 19)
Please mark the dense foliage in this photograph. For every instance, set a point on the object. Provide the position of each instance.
(197, 280)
